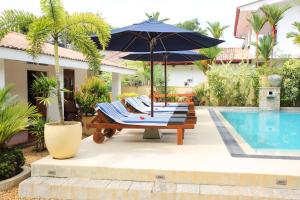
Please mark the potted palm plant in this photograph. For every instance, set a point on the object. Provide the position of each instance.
(55, 25)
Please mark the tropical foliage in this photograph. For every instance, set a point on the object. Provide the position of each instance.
(233, 85)
(193, 25)
(295, 35)
(14, 115)
(273, 14)
(15, 20)
(290, 89)
(56, 24)
(257, 22)
(37, 130)
(216, 29)
(42, 88)
(156, 16)
(265, 47)
(93, 91)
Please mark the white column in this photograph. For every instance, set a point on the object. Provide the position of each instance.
(52, 109)
(116, 86)
(2, 73)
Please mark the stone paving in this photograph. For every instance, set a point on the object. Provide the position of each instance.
(76, 188)
(201, 168)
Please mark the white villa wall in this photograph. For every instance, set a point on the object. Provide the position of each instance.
(16, 73)
(2, 74)
(179, 74)
(80, 76)
(285, 46)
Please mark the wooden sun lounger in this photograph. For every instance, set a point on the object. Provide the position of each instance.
(191, 114)
(107, 127)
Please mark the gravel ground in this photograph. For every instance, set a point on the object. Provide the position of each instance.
(30, 156)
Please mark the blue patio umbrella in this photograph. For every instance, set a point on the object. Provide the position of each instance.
(166, 56)
(153, 35)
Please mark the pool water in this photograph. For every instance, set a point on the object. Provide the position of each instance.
(267, 130)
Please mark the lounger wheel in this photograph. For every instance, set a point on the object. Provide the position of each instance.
(119, 129)
(98, 137)
(109, 132)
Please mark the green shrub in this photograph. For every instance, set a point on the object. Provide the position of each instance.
(11, 161)
(290, 90)
(170, 90)
(232, 85)
(93, 91)
(201, 94)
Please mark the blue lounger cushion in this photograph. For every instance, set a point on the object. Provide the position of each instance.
(123, 111)
(109, 110)
(138, 105)
(147, 101)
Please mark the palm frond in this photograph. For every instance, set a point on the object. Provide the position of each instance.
(14, 20)
(13, 115)
(257, 22)
(39, 32)
(89, 23)
(54, 10)
(295, 35)
(274, 13)
(216, 29)
(265, 47)
(84, 44)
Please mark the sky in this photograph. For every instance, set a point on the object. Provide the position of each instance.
(121, 13)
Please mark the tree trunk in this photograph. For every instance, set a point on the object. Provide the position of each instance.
(58, 90)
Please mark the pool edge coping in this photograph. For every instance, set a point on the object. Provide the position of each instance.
(234, 147)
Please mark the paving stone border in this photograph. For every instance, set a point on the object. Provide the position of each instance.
(15, 180)
(234, 148)
(77, 188)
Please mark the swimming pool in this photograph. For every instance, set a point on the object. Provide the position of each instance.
(267, 130)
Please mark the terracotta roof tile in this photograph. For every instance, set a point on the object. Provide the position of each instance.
(18, 41)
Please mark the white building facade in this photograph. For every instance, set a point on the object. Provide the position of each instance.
(285, 47)
(16, 67)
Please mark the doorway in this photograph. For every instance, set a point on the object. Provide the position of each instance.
(70, 109)
(31, 76)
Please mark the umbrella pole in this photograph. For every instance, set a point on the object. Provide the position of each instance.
(151, 76)
(165, 80)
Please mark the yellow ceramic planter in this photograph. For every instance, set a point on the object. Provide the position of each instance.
(63, 141)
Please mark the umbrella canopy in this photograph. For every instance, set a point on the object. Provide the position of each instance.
(153, 35)
(166, 56)
(169, 56)
(164, 37)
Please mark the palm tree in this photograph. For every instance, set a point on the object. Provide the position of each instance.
(155, 16)
(273, 15)
(212, 54)
(216, 29)
(257, 22)
(265, 47)
(55, 23)
(295, 35)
